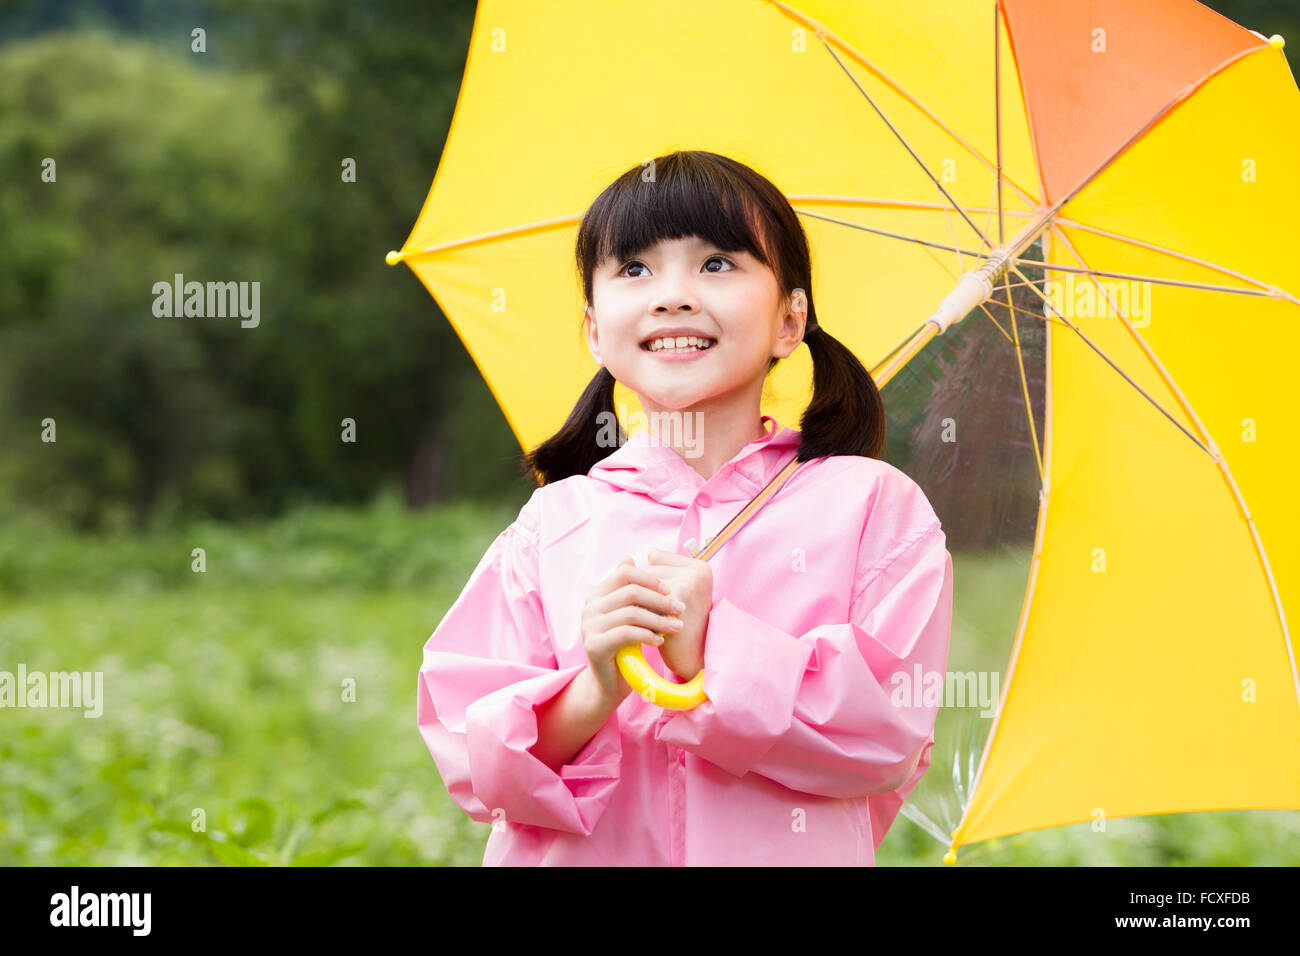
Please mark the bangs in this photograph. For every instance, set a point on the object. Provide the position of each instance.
(690, 197)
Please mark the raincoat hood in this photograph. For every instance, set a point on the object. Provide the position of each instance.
(643, 464)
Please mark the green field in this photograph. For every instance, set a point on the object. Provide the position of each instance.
(223, 692)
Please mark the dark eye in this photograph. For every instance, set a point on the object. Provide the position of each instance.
(633, 262)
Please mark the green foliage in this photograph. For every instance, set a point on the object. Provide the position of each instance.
(222, 693)
(168, 164)
(313, 547)
(243, 845)
(160, 169)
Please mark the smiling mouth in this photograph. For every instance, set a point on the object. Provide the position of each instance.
(707, 344)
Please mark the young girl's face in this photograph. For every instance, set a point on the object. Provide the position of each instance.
(730, 298)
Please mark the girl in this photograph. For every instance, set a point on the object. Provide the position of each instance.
(821, 625)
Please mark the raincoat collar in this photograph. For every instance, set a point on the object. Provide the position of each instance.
(644, 465)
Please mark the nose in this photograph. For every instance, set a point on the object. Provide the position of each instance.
(663, 306)
(673, 294)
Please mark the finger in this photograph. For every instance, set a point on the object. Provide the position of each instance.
(652, 598)
(637, 595)
(625, 573)
(630, 634)
(633, 615)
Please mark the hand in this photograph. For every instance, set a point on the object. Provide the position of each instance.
(690, 581)
(629, 606)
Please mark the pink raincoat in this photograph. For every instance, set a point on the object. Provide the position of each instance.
(831, 614)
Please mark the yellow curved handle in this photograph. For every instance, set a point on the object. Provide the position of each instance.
(641, 676)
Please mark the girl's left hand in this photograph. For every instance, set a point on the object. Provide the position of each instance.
(690, 581)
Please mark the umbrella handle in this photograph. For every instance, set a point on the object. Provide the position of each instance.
(645, 681)
(641, 677)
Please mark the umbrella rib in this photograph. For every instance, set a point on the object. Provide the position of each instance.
(1005, 334)
(1181, 283)
(997, 109)
(823, 33)
(956, 246)
(1033, 315)
(563, 221)
(488, 236)
(1029, 411)
(1015, 343)
(887, 234)
(989, 215)
(882, 203)
(1263, 290)
(1267, 289)
(906, 145)
(1024, 387)
(1047, 302)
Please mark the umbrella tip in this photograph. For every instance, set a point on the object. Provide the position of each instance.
(393, 258)
(1276, 41)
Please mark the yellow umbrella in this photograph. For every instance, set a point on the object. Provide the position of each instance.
(1152, 149)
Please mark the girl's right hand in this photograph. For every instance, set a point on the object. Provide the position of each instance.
(630, 606)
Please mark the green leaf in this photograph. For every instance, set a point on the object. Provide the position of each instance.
(327, 857)
(340, 805)
(235, 855)
(181, 828)
(299, 830)
(259, 818)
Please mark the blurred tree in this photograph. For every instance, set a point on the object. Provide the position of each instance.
(158, 169)
(167, 21)
(375, 83)
(167, 167)
(1263, 16)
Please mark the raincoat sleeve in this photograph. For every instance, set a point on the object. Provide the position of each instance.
(487, 667)
(842, 710)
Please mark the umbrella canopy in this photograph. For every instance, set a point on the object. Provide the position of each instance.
(1152, 151)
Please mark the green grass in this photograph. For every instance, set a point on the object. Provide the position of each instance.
(224, 694)
(224, 691)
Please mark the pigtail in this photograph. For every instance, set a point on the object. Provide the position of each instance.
(846, 415)
(587, 436)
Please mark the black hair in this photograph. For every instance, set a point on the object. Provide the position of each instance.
(733, 207)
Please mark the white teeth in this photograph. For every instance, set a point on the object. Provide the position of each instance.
(681, 343)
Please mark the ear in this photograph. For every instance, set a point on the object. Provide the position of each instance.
(794, 320)
(589, 323)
